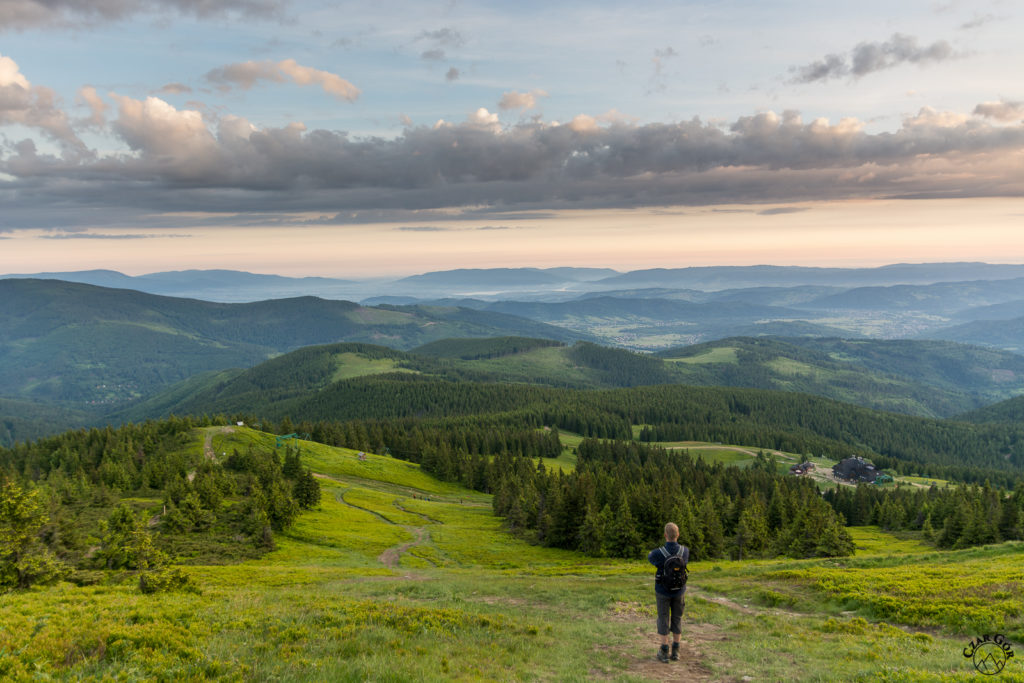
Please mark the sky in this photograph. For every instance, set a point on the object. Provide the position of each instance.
(309, 137)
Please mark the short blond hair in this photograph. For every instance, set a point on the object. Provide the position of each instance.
(671, 531)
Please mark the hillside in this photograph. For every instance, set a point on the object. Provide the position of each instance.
(1009, 411)
(395, 575)
(1001, 334)
(320, 384)
(941, 379)
(932, 378)
(93, 349)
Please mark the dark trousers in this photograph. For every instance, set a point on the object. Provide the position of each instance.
(670, 612)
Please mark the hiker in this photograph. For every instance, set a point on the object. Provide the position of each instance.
(669, 587)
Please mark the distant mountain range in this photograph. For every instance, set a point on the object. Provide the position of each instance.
(545, 284)
(73, 353)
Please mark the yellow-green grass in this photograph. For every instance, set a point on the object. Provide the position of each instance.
(871, 540)
(467, 601)
(351, 365)
(721, 354)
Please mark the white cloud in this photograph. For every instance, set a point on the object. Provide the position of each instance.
(481, 118)
(34, 106)
(177, 140)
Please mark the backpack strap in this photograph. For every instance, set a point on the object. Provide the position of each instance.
(664, 553)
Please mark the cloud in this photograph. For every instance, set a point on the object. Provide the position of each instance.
(245, 75)
(105, 236)
(24, 14)
(423, 228)
(866, 58)
(1003, 110)
(978, 21)
(782, 210)
(174, 89)
(433, 55)
(452, 75)
(520, 100)
(34, 106)
(176, 160)
(88, 96)
(446, 37)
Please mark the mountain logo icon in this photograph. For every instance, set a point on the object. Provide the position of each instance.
(989, 653)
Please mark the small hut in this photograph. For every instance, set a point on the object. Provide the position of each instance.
(855, 469)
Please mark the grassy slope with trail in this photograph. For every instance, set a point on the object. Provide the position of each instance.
(400, 577)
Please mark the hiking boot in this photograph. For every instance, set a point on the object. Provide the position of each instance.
(663, 653)
(675, 652)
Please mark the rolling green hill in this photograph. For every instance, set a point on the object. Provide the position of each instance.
(1011, 410)
(943, 379)
(93, 350)
(931, 378)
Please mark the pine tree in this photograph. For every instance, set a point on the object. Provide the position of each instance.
(307, 491)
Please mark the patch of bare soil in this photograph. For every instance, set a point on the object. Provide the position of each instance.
(208, 443)
(391, 556)
(639, 652)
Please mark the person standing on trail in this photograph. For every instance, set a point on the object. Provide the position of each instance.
(669, 588)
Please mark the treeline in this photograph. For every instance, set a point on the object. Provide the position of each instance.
(482, 348)
(797, 423)
(153, 484)
(488, 453)
(619, 497)
(954, 517)
(617, 500)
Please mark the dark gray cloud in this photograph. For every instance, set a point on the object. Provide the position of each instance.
(1003, 110)
(782, 210)
(23, 14)
(105, 236)
(178, 163)
(432, 55)
(175, 89)
(452, 75)
(866, 58)
(445, 37)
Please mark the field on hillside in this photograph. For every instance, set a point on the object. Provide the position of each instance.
(399, 577)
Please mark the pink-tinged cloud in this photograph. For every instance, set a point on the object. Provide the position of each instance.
(520, 100)
(245, 75)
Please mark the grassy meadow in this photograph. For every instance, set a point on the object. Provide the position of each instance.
(399, 577)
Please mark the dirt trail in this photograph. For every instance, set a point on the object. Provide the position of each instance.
(639, 653)
(208, 443)
(391, 556)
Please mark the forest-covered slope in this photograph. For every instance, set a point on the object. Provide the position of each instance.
(93, 349)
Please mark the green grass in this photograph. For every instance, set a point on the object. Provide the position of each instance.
(721, 354)
(399, 577)
(351, 365)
